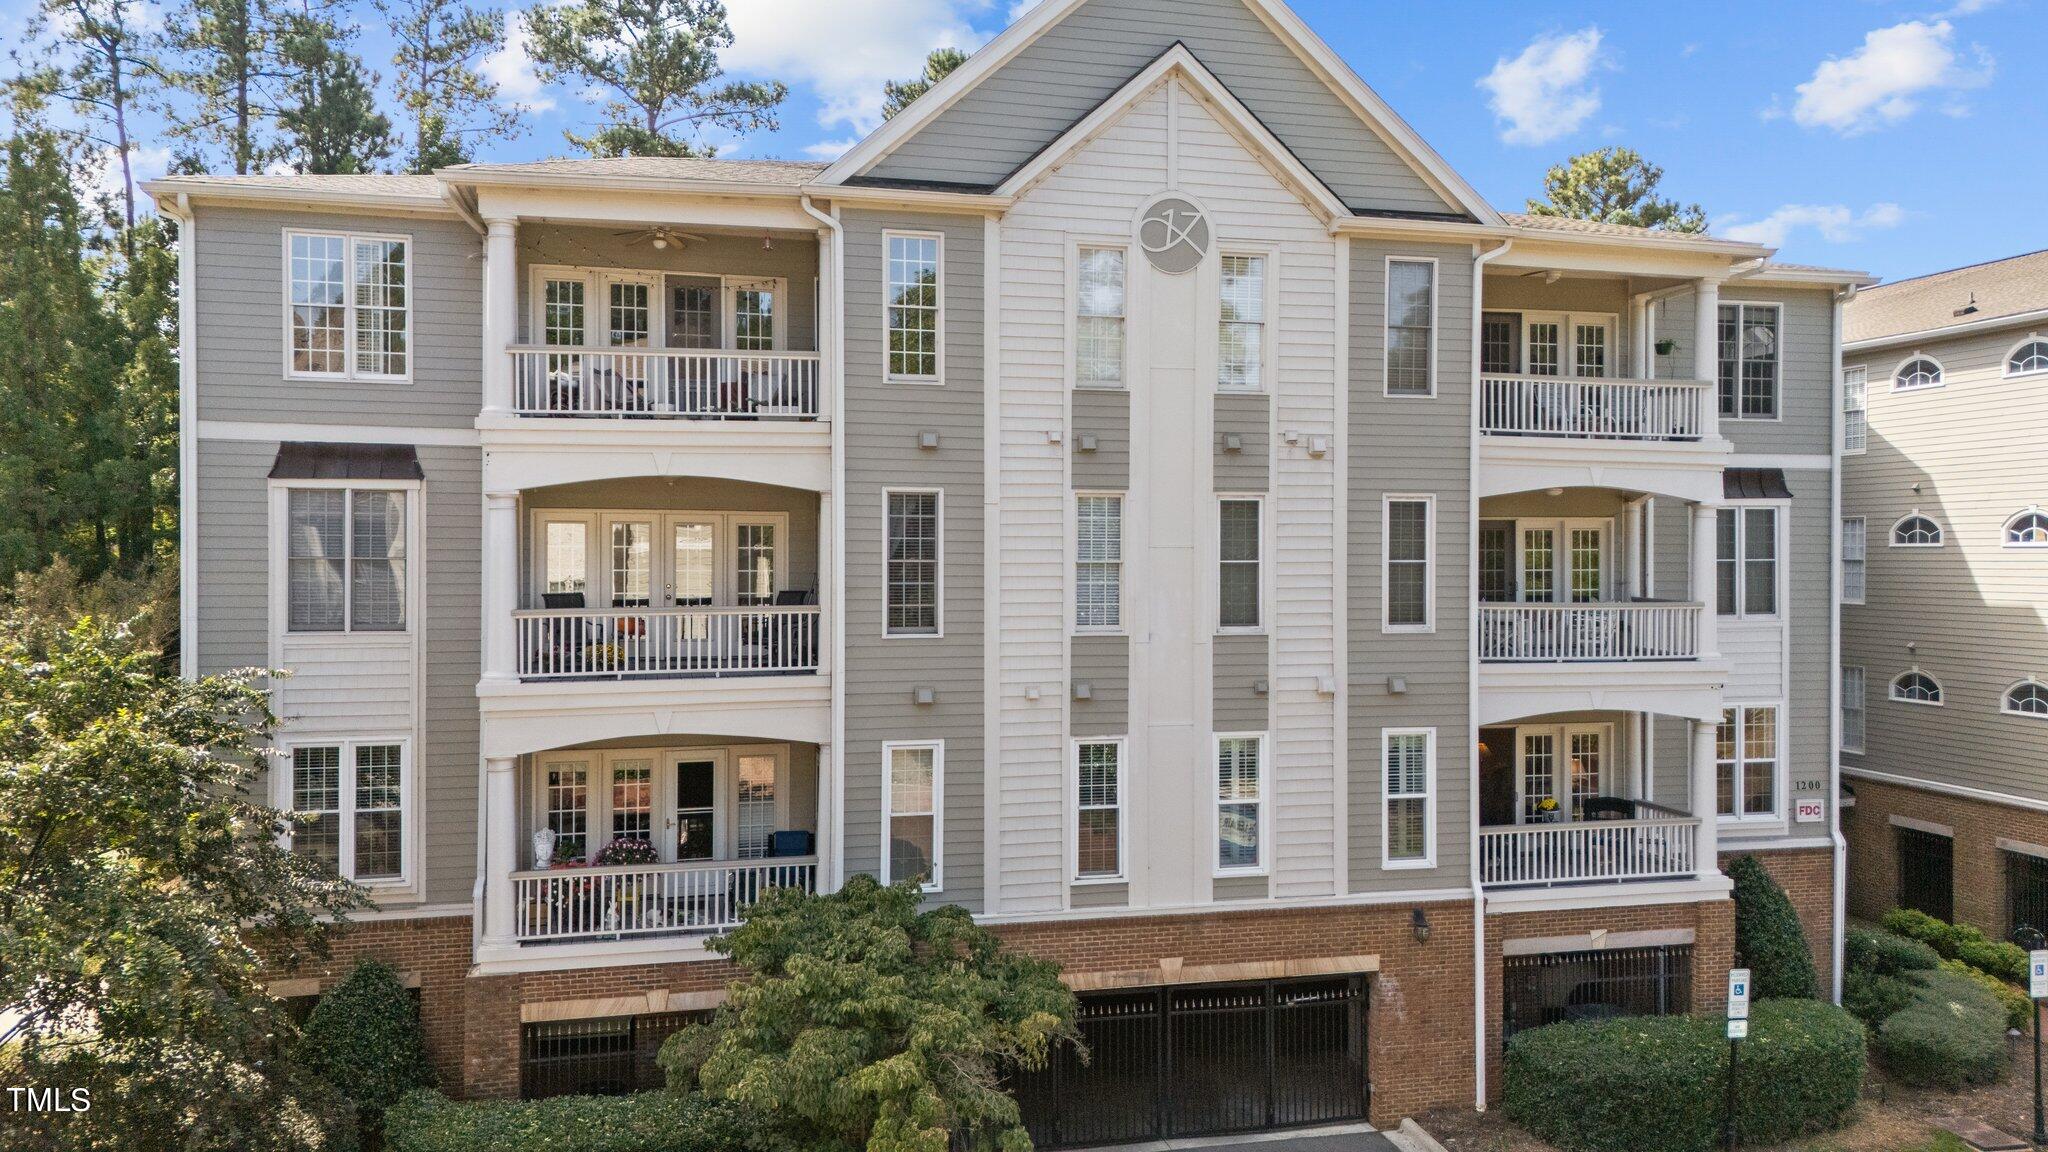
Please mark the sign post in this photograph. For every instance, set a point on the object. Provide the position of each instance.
(1738, 1030)
(2037, 991)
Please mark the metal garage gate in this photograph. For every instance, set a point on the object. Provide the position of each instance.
(1202, 1060)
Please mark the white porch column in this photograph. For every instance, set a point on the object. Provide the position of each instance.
(1706, 352)
(1639, 349)
(501, 849)
(1705, 800)
(1632, 581)
(501, 312)
(821, 842)
(827, 565)
(1704, 570)
(501, 585)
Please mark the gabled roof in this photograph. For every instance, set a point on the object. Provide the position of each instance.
(1312, 51)
(773, 173)
(1976, 296)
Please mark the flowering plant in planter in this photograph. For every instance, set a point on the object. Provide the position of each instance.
(626, 850)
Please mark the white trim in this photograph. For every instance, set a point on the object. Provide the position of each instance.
(1257, 500)
(256, 431)
(1268, 322)
(349, 240)
(1786, 461)
(1927, 826)
(1946, 789)
(2021, 848)
(283, 780)
(1780, 562)
(1940, 374)
(1863, 408)
(938, 750)
(1073, 573)
(1862, 707)
(1781, 768)
(1777, 363)
(1405, 897)
(178, 206)
(1073, 807)
(1076, 245)
(2005, 371)
(2005, 707)
(1387, 325)
(1940, 533)
(2005, 529)
(279, 565)
(938, 239)
(1597, 941)
(1428, 858)
(939, 565)
(1262, 802)
(1940, 693)
(1842, 558)
(992, 542)
(1387, 500)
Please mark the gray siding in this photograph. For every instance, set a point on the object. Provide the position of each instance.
(1028, 103)
(880, 671)
(1410, 446)
(1810, 553)
(1806, 392)
(1104, 664)
(1099, 895)
(1240, 887)
(234, 555)
(1242, 662)
(1250, 419)
(1105, 414)
(242, 323)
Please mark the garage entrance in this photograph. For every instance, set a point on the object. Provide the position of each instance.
(1204, 1060)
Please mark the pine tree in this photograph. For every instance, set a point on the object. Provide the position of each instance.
(440, 43)
(897, 94)
(230, 74)
(1614, 186)
(107, 65)
(330, 115)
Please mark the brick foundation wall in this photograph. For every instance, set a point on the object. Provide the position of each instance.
(1980, 895)
(1808, 877)
(435, 953)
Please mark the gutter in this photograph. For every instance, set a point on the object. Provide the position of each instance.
(1479, 262)
(837, 378)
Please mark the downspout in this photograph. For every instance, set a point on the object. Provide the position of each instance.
(836, 375)
(1841, 842)
(1479, 263)
(455, 200)
(179, 208)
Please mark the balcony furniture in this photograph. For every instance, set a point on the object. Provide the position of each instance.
(792, 843)
(581, 903)
(1607, 808)
(1660, 843)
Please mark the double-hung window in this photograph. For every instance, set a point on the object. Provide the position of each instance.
(345, 559)
(1746, 762)
(1748, 361)
(1099, 319)
(1855, 410)
(1411, 327)
(1098, 562)
(1407, 563)
(1746, 561)
(1854, 707)
(351, 800)
(1237, 563)
(912, 592)
(1241, 337)
(1855, 559)
(914, 309)
(910, 814)
(349, 307)
(1099, 792)
(1240, 803)
(1410, 758)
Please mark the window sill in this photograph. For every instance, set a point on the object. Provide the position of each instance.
(1258, 873)
(1407, 865)
(1097, 881)
(931, 381)
(343, 378)
(1407, 629)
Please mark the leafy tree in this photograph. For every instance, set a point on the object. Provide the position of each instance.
(440, 44)
(897, 94)
(659, 61)
(364, 1036)
(1768, 938)
(330, 112)
(1614, 186)
(141, 891)
(865, 1023)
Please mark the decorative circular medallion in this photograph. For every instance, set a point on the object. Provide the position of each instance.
(1175, 235)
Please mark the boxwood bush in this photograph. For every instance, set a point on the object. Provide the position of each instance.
(364, 1038)
(1768, 937)
(2019, 1011)
(1872, 997)
(647, 1122)
(1625, 1085)
(1885, 954)
(1951, 1034)
(1961, 942)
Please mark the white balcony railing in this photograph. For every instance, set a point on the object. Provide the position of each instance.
(1640, 630)
(1592, 409)
(1658, 847)
(664, 383)
(568, 643)
(649, 899)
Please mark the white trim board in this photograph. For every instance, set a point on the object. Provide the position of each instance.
(1916, 825)
(265, 432)
(1963, 791)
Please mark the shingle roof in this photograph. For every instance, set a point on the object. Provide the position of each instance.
(783, 173)
(375, 184)
(2006, 287)
(1537, 223)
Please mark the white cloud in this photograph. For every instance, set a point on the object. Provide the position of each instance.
(1835, 223)
(512, 70)
(1969, 7)
(145, 163)
(843, 50)
(830, 149)
(1882, 82)
(1546, 92)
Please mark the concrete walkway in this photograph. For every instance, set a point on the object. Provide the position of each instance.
(1346, 1138)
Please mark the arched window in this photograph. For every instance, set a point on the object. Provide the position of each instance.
(2026, 698)
(1916, 687)
(1919, 372)
(1916, 531)
(2030, 357)
(2028, 529)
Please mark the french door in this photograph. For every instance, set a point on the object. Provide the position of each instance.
(1557, 769)
(1544, 562)
(661, 559)
(718, 803)
(1559, 344)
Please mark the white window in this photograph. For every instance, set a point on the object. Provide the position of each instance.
(1408, 807)
(753, 319)
(1240, 803)
(2028, 529)
(1237, 561)
(1854, 708)
(1916, 687)
(1241, 338)
(1916, 373)
(1407, 563)
(1098, 562)
(1855, 410)
(345, 560)
(1099, 319)
(915, 309)
(914, 555)
(2027, 698)
(911, 834)
(1099, 798)
(1748, 361)
(1411, 327)
(2030, 357)
(1746, 568)
(565, 810)
(1855, 564)
(1916, 531)
(354, 793)
(1746, 762)
(349, 307)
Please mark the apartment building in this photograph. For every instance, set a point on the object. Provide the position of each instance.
(1141, 492)
(1944, 578)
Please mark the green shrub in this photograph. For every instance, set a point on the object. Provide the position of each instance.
(1873, 997)
(647, 1122)
(1768, 937)
(1624, 1085)
(1952, 1034)
(2019, 1011)
(364, 1037)
(1885, 954)
(2006, 961)
(1995, 958)
(1915, 925)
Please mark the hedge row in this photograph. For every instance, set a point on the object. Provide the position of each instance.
(647, 1122)
(1651, 1082)
(2006, 961)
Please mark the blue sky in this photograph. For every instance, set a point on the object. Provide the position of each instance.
(1895, 137)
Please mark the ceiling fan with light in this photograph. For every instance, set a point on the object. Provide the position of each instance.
(661, 238)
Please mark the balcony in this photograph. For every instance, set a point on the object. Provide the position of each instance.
(1594, 632)
(1593, 408)
(585, 904)
(670, 643)
(1659, 843)
(664, 384)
